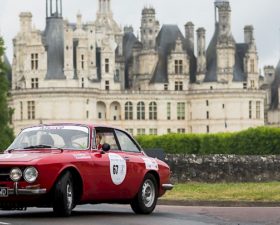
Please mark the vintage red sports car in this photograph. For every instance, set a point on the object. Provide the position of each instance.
(63, 165)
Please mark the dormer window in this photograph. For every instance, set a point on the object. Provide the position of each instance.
(178, 66)
(34, 61)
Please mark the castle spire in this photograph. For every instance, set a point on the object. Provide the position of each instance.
(53, 9)
(104, 6)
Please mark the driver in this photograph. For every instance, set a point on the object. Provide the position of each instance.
(98, 139)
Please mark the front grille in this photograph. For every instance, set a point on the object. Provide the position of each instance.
(5, 174)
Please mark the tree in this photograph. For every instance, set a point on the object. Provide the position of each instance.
(6, 132)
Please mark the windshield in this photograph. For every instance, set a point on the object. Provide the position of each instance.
(65, 137)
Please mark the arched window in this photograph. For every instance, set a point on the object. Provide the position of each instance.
(128, 111)
(153, 111)
(141, 111)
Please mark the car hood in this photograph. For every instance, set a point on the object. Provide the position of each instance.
(22, 157)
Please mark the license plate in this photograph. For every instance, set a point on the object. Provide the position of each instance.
(3, 192)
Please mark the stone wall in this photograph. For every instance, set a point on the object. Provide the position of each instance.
(223, 168)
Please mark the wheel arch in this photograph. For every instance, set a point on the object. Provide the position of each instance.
(156, 175)
(77, 179)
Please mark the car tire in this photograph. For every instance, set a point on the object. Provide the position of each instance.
(64, 195)
(146, 199)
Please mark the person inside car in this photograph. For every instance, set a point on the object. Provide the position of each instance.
(98, 140)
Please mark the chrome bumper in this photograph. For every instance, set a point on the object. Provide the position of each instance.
(167, 187)
(26, 191)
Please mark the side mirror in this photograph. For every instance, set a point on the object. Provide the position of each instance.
(106, 147)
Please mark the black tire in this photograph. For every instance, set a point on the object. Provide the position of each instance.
(146, 199)
(64, 195)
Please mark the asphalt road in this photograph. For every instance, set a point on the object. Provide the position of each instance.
(163, 215)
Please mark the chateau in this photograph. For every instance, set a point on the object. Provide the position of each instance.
(97, 72)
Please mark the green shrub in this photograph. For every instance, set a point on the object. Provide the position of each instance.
(254, 141)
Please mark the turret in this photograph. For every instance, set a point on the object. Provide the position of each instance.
(201, 54)
(248, 34)
(104, 7)
(189, 33)
(25, 22)
(149, 28)
(223, 20)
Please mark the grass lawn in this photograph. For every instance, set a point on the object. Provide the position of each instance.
(247, 192)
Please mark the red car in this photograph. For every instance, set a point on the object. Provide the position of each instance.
(62, 165)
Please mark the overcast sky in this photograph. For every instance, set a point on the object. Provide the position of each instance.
(263, 15)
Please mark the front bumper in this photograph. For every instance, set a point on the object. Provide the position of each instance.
(167, 187)
(32, 190)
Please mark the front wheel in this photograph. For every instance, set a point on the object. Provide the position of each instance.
(146, 199)
(64, 196)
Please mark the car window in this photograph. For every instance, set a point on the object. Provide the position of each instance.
(106, 136)
(126, 142)
(60, 136)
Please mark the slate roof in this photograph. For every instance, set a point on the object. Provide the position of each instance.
(275, 89)
(54, 42)
(165, 42)
(211, 59)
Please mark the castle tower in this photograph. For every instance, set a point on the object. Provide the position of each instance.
(149, 28)
(201, 55)
(189, 33)
(248, 34)
(25, 22)
(54, 39)
(225, 42)
(104, 7)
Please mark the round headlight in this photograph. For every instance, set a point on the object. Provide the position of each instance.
(30, 174)
(15, 174)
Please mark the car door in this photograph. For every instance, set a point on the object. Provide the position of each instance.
(135, 163)
(106, 165)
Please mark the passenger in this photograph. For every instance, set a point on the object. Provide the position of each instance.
(98, 140)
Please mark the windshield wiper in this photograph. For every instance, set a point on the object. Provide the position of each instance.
(43, 146)
(38, 146)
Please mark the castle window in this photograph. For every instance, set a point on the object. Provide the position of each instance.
(31, 110)
(129, 130)
(258, 109)
(83, 82)
(141, 131)
(250, 109)
(181, 130)
(178, 66)
(207, 103)
(99, 115)
(82, 62)
(153, 111)
(34, 61)
(180, 110)
(252, 83)
(128, 108)
(245, 85)
(166, 87)
(153, 131)
(87, 114)
(21, 111)
(252, 65)
(168, 109)
(151, 31)
(34, 83)
(141, 111)
(107, 85)
(107, 68)
(207, 129)
(178, 86)
(168, 130)
(207, 114)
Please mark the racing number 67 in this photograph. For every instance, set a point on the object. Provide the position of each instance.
(115, 169)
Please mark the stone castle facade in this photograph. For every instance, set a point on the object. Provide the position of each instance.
(98, 73)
